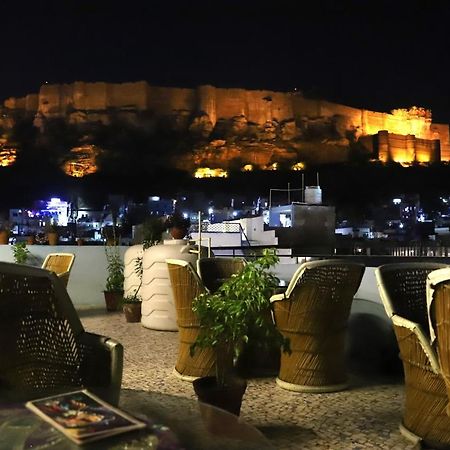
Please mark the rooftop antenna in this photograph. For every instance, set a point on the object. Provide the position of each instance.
(303, 188)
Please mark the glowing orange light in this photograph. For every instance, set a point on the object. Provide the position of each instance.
(247, 168)
(206, 172)
(298, 166)
(83, 163)
(8, 156)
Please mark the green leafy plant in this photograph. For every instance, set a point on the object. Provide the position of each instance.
(20, 252)
(115, 267)
(153, 229)
(132, 299)
(228, 316)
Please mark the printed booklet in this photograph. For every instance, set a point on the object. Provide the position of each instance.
(83, 417)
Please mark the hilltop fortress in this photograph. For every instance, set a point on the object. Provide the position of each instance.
(404, 135)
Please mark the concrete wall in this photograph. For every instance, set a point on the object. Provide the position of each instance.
(88, 275)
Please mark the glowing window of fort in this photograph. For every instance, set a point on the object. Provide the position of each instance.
(206, 172)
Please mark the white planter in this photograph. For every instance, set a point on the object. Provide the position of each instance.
(158, 308)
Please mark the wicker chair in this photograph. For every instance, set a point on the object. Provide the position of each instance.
(214, 271)
(44, 348)
(313, 314)
(186, 285)
(60, 263)
(402, 289)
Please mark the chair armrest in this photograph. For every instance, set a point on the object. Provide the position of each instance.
(423, 340)
(277, 297)
(102, 365)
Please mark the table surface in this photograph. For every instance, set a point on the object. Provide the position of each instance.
(174, 422)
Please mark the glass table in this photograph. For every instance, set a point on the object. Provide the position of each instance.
(173, 423)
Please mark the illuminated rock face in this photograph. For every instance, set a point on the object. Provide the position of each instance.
(83, 162)
(8, 156)
(210, 113)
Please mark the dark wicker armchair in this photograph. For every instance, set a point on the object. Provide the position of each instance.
(44, 348)
(313, 313)
(186, 285)
(214, 271)
(402, 289)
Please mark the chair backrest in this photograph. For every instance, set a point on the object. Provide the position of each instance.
(323, 291)
(38, 331)
(440, 323)
(402, 288)
(214, 271)
(60, 263)
(186, 285)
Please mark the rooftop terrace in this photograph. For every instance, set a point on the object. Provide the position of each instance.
(364, 417)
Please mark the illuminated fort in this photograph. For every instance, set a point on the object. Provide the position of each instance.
(403, 135)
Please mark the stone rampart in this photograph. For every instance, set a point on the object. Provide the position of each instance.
(258, 106)
(407, 148)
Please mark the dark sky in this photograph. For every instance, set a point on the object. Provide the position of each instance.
(372, 54)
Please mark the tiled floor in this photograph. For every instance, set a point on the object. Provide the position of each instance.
(364, 417)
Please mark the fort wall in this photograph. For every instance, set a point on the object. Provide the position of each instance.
(407, 148)
(258, 106)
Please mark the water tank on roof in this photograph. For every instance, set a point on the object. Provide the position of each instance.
(313, 195)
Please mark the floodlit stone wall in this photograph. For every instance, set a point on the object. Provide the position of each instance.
(406, 149)
(256, 106)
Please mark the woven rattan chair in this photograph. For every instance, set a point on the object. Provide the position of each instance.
(313, 313)
(402, 289)
(214, 271)
(60, 263)
(186, 285)
(44, 347)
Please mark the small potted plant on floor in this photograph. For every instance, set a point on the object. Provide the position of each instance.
(226, 319)
(131, 306)
(114, 282)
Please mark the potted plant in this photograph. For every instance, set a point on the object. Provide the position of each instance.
(114, 282)
(51, 229)
(178, 225)
(20, 252)
(4, 233)
(131, 306)
(226, 319)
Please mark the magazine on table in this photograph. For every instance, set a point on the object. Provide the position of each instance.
(83, 417)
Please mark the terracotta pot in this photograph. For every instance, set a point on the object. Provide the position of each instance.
(178, 233)
(228, 398)
(31, 240)
(52, 238)
(4, 237)
(132, 312)
(112, 300)
(80, 241)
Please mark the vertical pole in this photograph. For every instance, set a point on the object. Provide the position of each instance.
(199, 233)
(303, 188)
(289, 193)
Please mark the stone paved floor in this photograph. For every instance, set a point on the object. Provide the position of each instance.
(364, 417)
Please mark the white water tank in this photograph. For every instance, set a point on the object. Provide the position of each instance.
(313, 195)
(158, 308)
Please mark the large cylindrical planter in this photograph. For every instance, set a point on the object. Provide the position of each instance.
(158, 308)
(131, 279)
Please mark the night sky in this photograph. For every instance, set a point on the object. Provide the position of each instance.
(372, 54)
